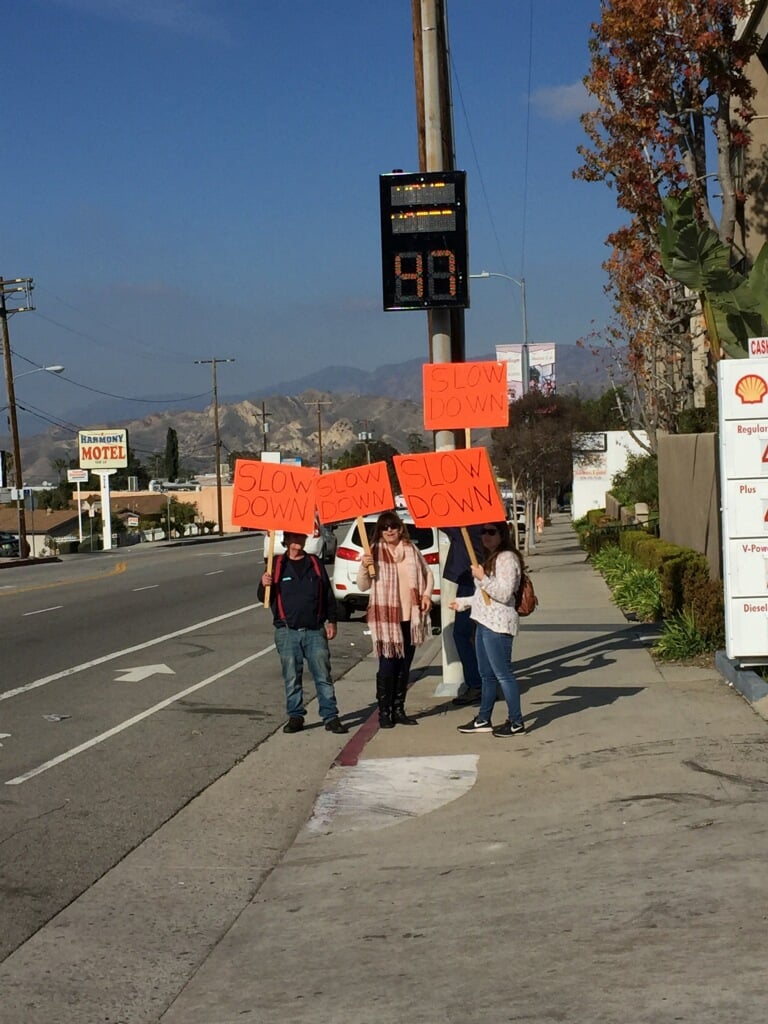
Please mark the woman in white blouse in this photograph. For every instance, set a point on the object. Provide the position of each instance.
(492, 606)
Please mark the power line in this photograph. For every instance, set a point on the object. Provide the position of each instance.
(122, 398)
(151, 347)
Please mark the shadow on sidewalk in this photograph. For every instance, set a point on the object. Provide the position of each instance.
(576, 698)
(565, 662)
(577, 658)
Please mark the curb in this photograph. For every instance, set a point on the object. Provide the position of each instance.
(749, 684)
(15, 562)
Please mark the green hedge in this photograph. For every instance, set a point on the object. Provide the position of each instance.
(683, 573)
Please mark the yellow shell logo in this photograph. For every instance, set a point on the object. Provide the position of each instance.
(751, 389)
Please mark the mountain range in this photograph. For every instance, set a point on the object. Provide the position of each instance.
(328, 409)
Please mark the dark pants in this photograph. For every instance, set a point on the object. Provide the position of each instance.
(464, 639)
(399, 667)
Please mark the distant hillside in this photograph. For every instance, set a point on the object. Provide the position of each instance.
(386, 402)
(577, 370)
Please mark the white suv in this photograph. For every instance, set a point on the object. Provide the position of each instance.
(349, 554)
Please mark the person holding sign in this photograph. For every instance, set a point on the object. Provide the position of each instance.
(496, 625)
(398, 610)
(304, 612)
(457, 569)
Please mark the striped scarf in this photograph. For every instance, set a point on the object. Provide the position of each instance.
(384, 612)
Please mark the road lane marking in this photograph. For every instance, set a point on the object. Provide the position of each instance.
(141, 672)
(126, 650)
(11, 589)
(215, 572)
(151, 586)
(133, 721)
(41, 611)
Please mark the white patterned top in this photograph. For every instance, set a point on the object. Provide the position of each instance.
(500, 615)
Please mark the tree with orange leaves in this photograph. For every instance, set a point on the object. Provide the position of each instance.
(672, 115)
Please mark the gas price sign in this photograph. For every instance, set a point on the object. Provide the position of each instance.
(424, 240)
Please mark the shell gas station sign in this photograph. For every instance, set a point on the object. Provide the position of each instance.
(103, 449)
(743, 388)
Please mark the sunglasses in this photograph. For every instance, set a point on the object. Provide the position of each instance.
(491, 531)
(391, 526)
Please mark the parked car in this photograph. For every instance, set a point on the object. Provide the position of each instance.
(321, 542)
(9, 545)
(349, 554)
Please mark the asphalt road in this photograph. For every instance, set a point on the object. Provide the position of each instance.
(131, 681)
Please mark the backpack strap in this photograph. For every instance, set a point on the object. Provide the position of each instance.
(276, 572)
(279, 597)
(320, 590)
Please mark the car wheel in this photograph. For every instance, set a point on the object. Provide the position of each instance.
(343, 611)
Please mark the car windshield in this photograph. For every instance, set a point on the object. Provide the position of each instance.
(422, 536)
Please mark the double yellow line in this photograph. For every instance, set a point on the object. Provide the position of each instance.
(119, 567)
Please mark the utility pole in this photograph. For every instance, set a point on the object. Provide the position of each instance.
(436, 153)
(264, 426)
(18, 284)
(319, 431)
(217, 439)
(365, 437)
(434, 119)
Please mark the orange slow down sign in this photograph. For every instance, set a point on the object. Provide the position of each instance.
(459, 396)
(274, 496)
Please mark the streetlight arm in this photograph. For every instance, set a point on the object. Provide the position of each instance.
(40, 369)
(507, 277)
(525, 368)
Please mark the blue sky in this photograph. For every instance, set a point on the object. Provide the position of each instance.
(186, 179)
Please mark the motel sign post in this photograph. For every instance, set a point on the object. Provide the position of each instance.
(103, 452)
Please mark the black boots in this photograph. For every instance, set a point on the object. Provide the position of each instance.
(399, 716)
(385, 692)
(390, 696)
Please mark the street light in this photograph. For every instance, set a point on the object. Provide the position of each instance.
(525, 370)
(525, 367)
(40, 369)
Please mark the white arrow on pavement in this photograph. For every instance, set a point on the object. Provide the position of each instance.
(135, 675)
(4, 736)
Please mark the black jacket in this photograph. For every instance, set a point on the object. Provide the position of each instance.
(301, 596)
(457, 566)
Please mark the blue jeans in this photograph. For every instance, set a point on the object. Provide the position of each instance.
(463, 638)
(494, 659)
(294, 647)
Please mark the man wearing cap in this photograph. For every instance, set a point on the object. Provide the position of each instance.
(304, 612)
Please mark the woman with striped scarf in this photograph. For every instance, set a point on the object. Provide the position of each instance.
(398, 611)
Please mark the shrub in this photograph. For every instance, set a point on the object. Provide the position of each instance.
(680, 638)
(613, 563)
(639, 592)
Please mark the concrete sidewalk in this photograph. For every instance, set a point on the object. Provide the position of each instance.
(606, 866)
